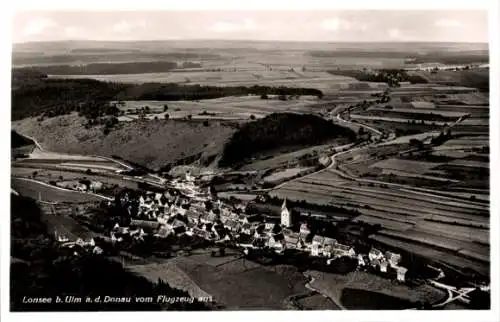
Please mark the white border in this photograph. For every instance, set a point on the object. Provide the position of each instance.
(456, 316)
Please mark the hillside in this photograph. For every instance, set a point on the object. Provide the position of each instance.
(150, 143)
(280, 132)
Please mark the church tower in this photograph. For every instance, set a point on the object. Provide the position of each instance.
(286, 218)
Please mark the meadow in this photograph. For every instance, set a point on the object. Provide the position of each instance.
(47, 193)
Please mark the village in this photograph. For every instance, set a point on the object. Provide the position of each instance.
(186, 210)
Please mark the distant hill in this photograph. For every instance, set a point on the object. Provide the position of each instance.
(280, 132)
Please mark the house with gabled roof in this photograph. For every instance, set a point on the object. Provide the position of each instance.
(260, 242)
(401, 273)
(292, 240)
(202, 233)
(164, 231)
(276, 241)
(192, 216)
(304, 229)
(340, 250)
(268, 225)
(375, 254)
(361, 260)
(393, 258)
(316, 246)
(211, 217)
(247, 228)
(232, 225)
(383, 266)
(243, 219)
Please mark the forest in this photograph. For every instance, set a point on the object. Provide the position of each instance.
(280, 131)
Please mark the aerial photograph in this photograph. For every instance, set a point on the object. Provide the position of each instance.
(250, 160)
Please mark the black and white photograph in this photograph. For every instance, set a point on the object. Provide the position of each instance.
(250, 160)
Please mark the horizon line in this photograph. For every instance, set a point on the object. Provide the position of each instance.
(254, 40)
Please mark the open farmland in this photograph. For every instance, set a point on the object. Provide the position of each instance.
(467, 142)
(169, 272)
(290, 158)
(240, 107)
(261, 76)
(242, 284)
(438, 256)
(64, 224)
(76, 164)
(46, 192)
(333, 285)
(48, 174)
(459, 223)
(284, 174)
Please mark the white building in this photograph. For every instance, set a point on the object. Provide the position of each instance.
(286, 218)
(375, 255)
(401, 273)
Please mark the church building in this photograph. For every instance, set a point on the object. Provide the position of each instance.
(286, 216)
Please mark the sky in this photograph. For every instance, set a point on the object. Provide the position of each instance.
(320, 25)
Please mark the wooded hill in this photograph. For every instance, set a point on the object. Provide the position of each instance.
(279, 132)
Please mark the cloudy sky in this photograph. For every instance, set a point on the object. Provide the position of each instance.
(324, 25)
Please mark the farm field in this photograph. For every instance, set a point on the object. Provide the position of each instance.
(447, 258)
(417, 167)
(319, 80)
(241, 107)
(65, 225)
(416, 114)
(400, 204)
(477, 251)
(333, 286)
(291, 157)
(241, 284)
(317, 302)
(169, 272)
(390, 126)
(470, 98)
(406, 139)
(476, 122)
(101, 165)
(47, 193)
(239, 196)
(467, 141)
(284, 174)
(391, 119)
(402, 211)
(47, 174)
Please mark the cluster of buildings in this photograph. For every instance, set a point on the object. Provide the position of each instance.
(78, 245)
(165, 214)
(82, 185)
(188, 211)
(382, 261)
